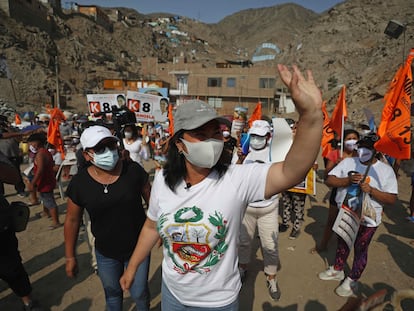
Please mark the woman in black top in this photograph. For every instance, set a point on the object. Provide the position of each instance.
(111, 190)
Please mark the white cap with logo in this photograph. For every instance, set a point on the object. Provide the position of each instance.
(260, 128)
(93, 135)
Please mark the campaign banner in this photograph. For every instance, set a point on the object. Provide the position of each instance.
(148, 107)
(103, 103)
(349, 217)
(347, 225)
(308, 185)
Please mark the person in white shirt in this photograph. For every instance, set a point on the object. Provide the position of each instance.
(138, 149)
(197, 202)
(368, 176)
(262, 214)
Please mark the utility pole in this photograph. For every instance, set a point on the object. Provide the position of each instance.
(57, 83)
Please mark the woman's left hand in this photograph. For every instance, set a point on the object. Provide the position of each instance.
(305, 93)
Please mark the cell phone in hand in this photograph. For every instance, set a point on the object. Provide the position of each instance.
(245, 142)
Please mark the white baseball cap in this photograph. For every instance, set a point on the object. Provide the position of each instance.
(93, 135)
(260, 127)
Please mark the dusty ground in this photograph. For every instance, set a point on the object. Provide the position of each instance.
(390, 265)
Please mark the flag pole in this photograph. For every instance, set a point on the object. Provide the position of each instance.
(14, 92)
(342, 134)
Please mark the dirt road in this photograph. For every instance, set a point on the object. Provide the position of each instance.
(390, 265)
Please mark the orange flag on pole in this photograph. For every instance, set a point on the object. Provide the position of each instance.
(394, 129)
(53, 131)
(17, 119)
(327, 132)
(256, 115)
(340, 113)
(170, 120)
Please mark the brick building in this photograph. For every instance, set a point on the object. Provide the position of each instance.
(225, 86)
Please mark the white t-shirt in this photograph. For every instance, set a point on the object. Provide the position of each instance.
(137, 151)
(380, 176)
(57, 158)
(200, 227)
(262, 156)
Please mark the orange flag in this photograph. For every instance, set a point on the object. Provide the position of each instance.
(17, 119)
(256, 115)
(327, 132)
(340, 113)
(170, 120)
(394, 129)
(53, 132)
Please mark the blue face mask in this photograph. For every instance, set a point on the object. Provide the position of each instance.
(105, 160)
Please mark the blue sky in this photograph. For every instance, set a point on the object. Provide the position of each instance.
(208, 11)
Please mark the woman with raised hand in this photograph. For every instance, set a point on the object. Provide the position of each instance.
(198, 201)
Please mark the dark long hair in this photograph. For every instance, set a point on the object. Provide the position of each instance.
(175, 169)
(351, 131)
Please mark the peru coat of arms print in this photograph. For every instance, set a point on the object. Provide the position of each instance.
(194, 243)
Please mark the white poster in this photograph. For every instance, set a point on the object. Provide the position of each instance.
(148, 107)
(102, 103)
(281, 141)
(347, 225)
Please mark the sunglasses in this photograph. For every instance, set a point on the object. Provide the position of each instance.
(100, 148)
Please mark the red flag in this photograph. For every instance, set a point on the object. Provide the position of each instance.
(170, 120)
(394, 129)
(340, 113)
(327, 133)
(53, 132)
(17, 119)
(256, 115)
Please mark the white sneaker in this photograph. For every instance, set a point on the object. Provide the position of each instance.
(331, 274)
(273, 287)
(347, 288)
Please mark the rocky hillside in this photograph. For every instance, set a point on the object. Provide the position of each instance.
(345, 45)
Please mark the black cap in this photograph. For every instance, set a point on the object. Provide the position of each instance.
(368, 140)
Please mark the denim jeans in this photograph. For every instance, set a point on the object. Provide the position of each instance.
(170, 303)
(110, 271)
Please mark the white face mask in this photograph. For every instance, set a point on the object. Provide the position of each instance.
(203, 153)
(128, 135)
(350, 144)
(226, 134)
(32, 149)
(257, 142)
(364, 154)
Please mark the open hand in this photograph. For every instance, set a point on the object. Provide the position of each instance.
(305, 93)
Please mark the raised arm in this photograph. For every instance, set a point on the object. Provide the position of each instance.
(304, 150)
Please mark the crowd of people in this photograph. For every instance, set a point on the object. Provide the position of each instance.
(204, 205)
